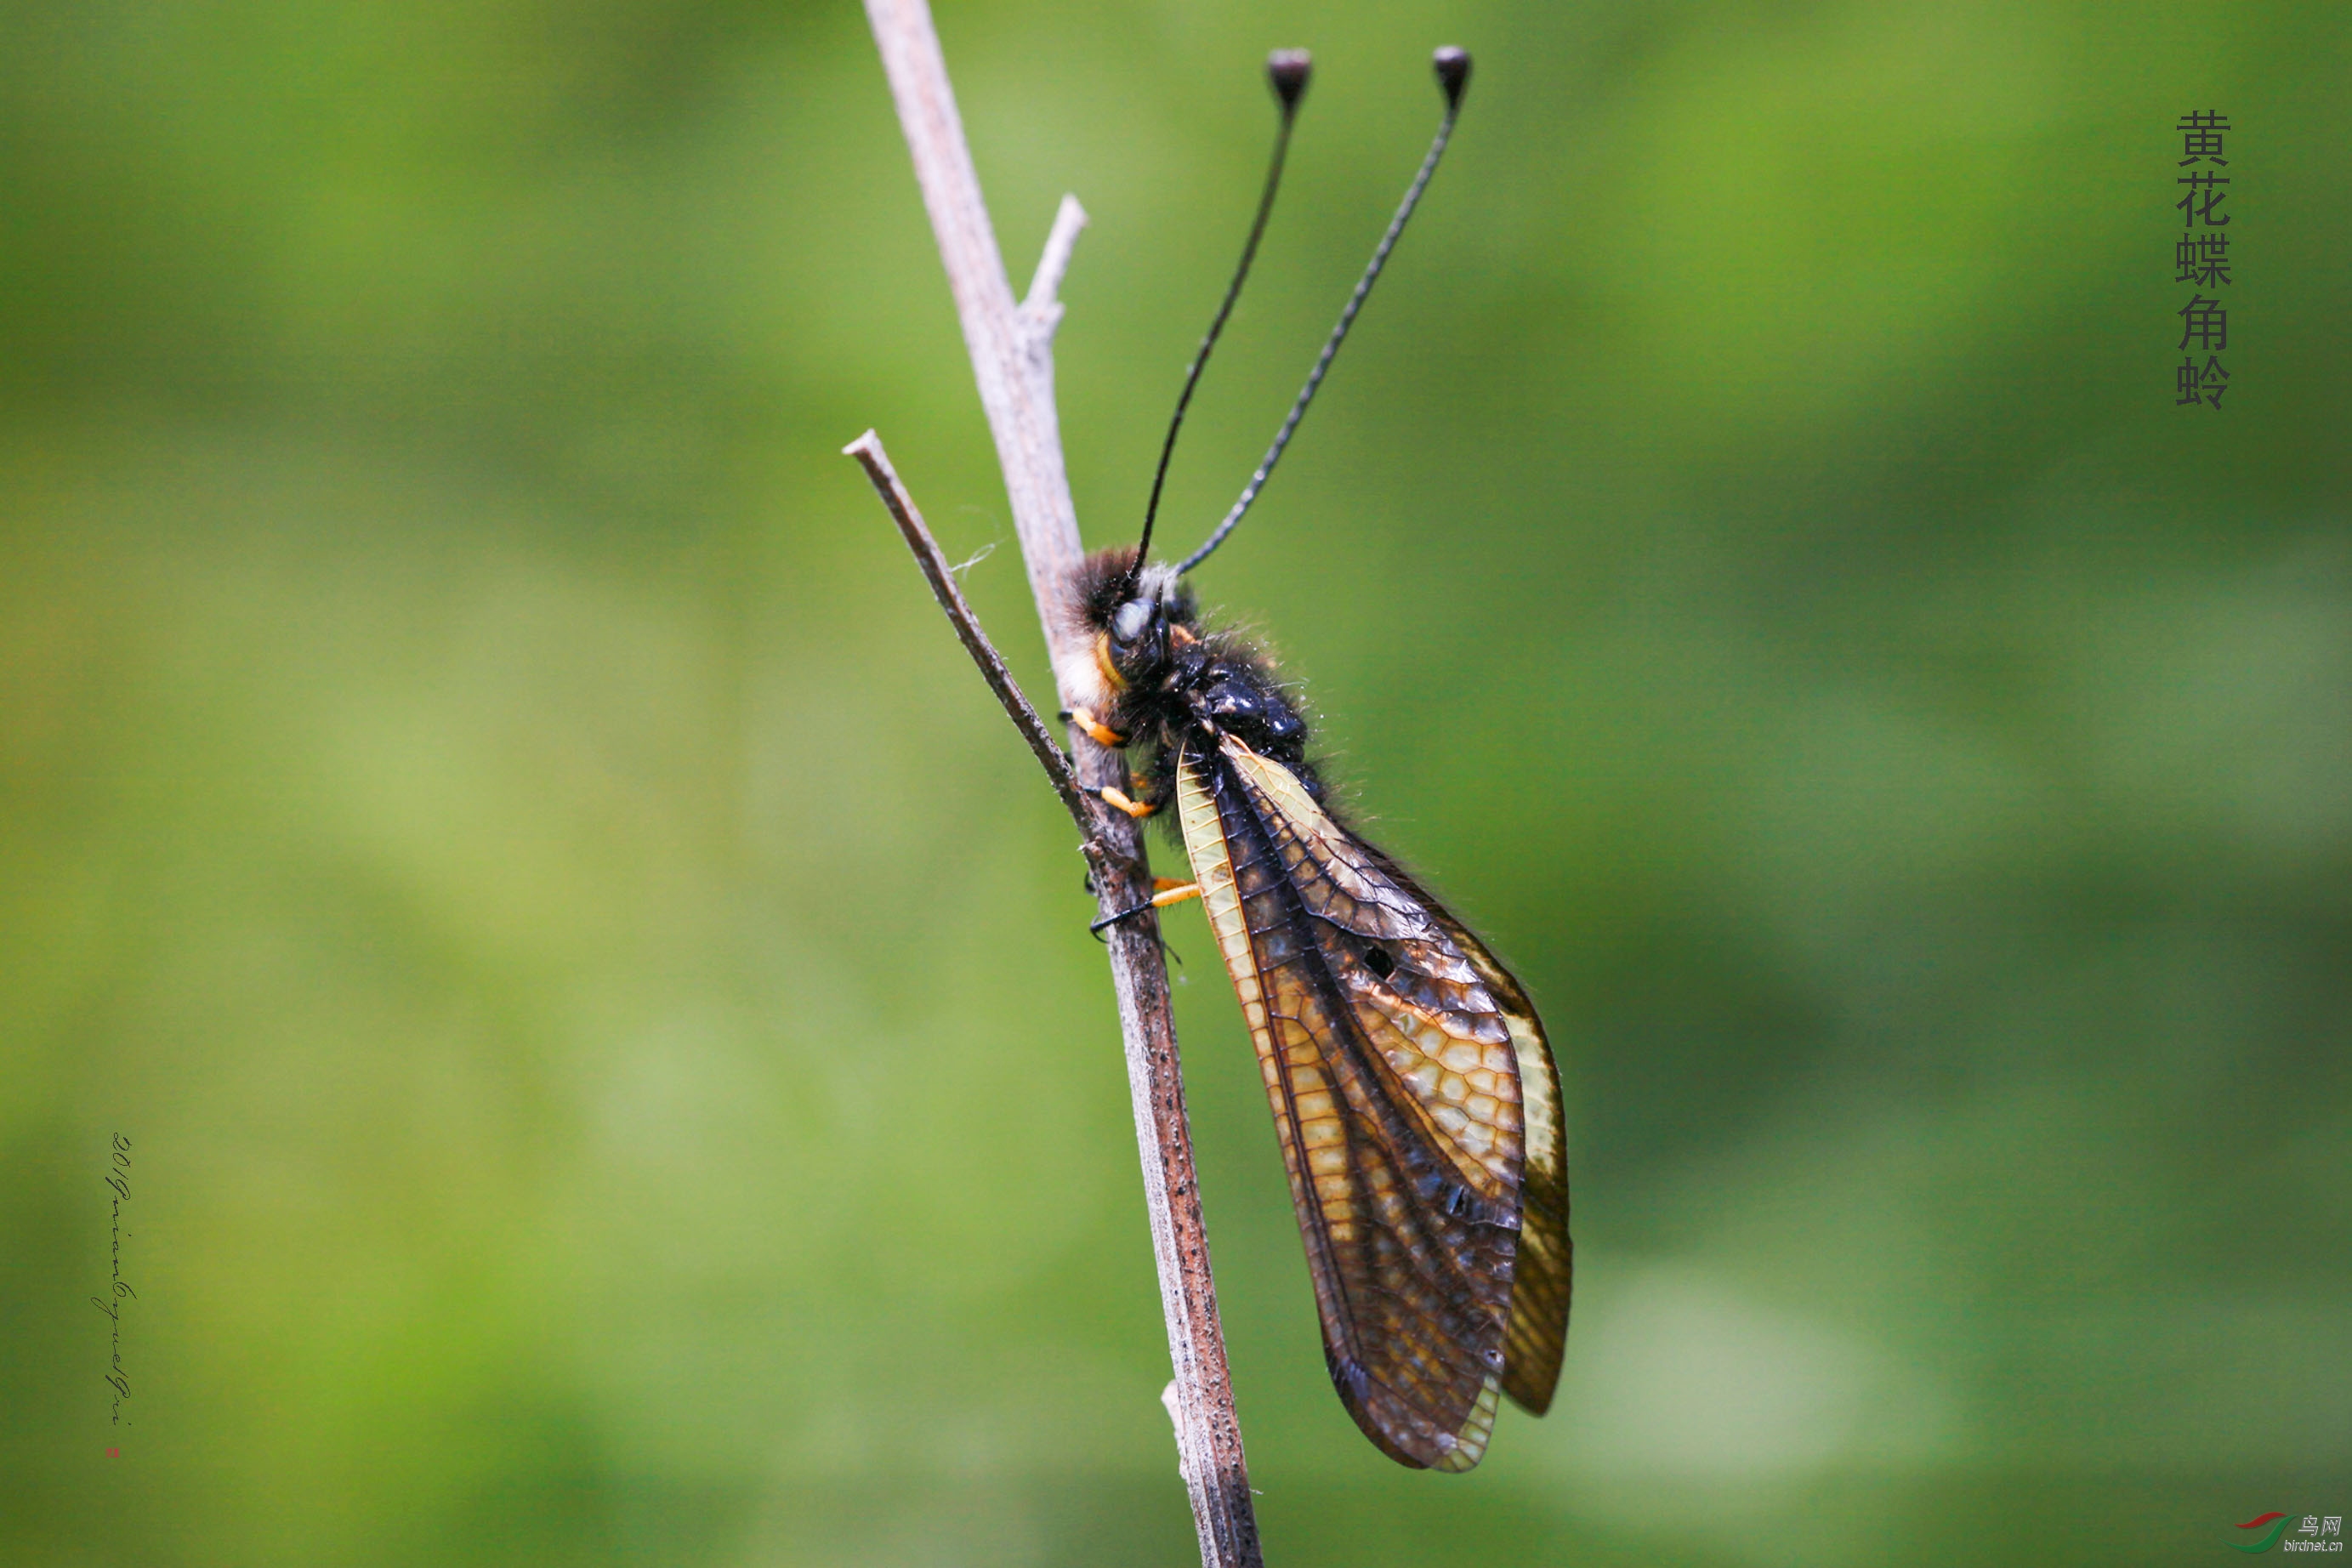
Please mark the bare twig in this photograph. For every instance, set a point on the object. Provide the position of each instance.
(867, 449)
(1011, 356)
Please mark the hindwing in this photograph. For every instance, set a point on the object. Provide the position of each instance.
(1397, 1054)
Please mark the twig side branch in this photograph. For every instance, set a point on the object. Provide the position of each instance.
(1011, 354)
(868, 450)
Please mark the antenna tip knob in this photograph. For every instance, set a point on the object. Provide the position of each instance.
(1288, 69)
(1453, 67)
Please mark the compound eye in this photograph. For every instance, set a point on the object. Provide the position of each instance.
(1129, 624)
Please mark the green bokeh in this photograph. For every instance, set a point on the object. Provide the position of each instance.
(600, 1001)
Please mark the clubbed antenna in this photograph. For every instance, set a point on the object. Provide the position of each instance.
(1452, 67)
(1286, 71)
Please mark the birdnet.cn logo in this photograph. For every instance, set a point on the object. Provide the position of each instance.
(2314, 1533)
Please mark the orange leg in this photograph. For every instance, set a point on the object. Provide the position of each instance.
(1170, 893)
(1102, 734)
(1119, 800)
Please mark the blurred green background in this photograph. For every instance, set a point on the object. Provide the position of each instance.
(601, 1000)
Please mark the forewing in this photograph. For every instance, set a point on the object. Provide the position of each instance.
(1545, 1268)
(1393, 1077)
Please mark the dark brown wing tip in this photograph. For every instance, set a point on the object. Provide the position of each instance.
(1533, 1398)
(1449, 1453)
(1348, 1379)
